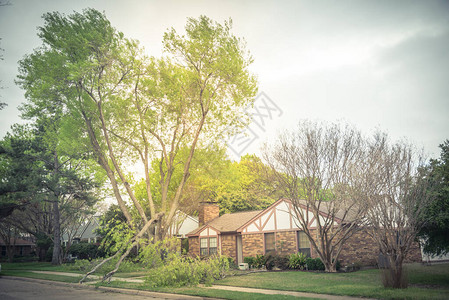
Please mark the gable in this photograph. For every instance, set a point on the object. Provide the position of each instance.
(279, 216)
(208, 231)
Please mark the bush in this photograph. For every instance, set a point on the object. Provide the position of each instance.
(315, 264)
(232, 263)
(84, 251)
(181, 272)
(259, 261)
(250, 261)
(297, 261)
(281, 262)
(269, 261)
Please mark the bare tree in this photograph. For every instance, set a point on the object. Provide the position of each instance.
(394, 190)
(316, 166)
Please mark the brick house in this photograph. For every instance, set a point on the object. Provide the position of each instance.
(245, 234)
(19, 246)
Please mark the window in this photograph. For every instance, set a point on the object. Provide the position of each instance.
(212, 245)
(208, 246)
(203, 247)
(270, 245)
(303, 243)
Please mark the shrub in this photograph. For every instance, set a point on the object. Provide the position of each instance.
(297, 261)
(315, 264)
(180, 272)
(250, 261)
(281, 262)
(338, 265)
(269, 261)
(259, 261)
(232, 263)
(84, 250)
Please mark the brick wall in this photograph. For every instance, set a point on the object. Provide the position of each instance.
(194, 246)
(252, 244)
(229, 246)
(359, 248)
(286, 242)
(414, 254)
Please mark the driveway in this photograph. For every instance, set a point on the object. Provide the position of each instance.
(31, 289)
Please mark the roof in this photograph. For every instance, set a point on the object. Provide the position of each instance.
(228, 222)
(18, 242)
(325, 207)
(232, 222)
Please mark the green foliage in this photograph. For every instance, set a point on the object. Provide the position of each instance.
(85, 251)
(85, 265)
(250, 261)
(187, 271)
(297, 261)
(156, 254)
(126, 106)
(113, 230)
(436, 215)
(281, 262)
(259, 261)
(315, 264)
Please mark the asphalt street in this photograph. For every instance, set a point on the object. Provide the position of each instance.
(13, 289)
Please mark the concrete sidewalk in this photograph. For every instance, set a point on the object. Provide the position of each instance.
(278, 292)
(217, 287)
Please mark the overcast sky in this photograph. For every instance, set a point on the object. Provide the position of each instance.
(375, 64)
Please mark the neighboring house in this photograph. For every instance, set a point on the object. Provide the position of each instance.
(84, 232)
(22, 247)
(182, 224)
(246, 234)
(428, 258)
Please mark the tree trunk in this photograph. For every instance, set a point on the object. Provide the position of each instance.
(56, 259)
(394, 276)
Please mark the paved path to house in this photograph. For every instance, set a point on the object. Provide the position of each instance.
(217, 287)
(277, 292)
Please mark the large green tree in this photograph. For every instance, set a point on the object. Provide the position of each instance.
(133, 108)
(43, 190)
(436, 214)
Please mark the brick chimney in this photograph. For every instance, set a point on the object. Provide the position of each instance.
(208, 211)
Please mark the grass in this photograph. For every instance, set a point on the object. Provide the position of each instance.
(37, 266)
(365, 283)
(202, 292)
(52, 277)
(425, 282)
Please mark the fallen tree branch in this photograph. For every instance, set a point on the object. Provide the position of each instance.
(97, 266)
(134, 242)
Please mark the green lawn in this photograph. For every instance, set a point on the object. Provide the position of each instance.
(426, 282)
(202, 292)
(28, 274)
(37, 266)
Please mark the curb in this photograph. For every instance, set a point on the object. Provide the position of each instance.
(108, 289)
